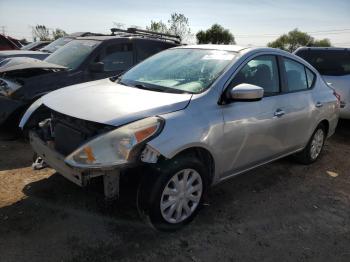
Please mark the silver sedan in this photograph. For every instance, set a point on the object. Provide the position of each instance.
(192, 116)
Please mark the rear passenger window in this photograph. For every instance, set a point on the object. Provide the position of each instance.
(118, 57)
(261, 71)
(296, 76)
(328, 62)
(310, 77)
(145, 49)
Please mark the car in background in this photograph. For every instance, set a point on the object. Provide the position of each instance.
(23, 80)
(8, 43)
(5, 56)
(334, 66)
(35, 45)
(189, 117)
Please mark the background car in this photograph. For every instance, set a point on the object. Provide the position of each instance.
(43, 52)
(35, 45)
(334, 66)
(23, 80)
(8, 43)
(190, 117)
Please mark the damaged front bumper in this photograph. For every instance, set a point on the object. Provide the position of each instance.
(8, 106)
(56, 161)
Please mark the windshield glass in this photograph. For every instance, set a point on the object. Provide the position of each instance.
(29, 46)
(73, 53)
(179, 70)
(50, 48)
(328, 62)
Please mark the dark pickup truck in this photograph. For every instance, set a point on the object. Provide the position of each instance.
(23, 79)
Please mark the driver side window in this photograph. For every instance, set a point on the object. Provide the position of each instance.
(261, 71)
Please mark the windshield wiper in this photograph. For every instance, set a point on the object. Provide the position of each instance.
(141, 86)
(46, 51)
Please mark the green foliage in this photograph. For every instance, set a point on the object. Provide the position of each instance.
(58, 33)
(295, 39)
(215, 35)
(40, 32)
(322, 43)
(159, 27)
(177, 25)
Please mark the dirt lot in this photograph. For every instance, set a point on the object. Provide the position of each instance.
(279, 212)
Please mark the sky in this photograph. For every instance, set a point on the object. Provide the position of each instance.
(252, 22)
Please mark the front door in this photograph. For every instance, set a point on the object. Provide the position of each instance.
(254, 131)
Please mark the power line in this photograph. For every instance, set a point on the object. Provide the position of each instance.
(335, 31)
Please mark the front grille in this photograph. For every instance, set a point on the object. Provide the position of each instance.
(69, 132)
(67, 139)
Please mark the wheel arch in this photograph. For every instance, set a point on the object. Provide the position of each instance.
(201, 153)
(325, 123)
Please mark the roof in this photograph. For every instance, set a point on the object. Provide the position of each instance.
(322, 48)
(233, 48)
(121, 36)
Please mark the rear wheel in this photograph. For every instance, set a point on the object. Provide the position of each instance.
(315, 146)
(171, 195)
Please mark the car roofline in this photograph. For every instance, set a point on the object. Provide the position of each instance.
(322, 48)
(234, 48)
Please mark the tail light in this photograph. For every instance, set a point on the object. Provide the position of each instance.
(336, 95)
(339, 102)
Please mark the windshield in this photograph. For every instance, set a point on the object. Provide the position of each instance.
(179, 70)
(328, 62)
(73, 53)
(29, 46)
(50, 48)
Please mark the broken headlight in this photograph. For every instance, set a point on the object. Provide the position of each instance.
(117, 147)
(7, 87)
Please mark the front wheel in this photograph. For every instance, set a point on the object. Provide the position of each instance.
(170, 197)
(315, 146)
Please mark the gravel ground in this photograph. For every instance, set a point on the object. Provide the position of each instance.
(280, 212)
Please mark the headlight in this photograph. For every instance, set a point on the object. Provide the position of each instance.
(7, 87)
(116, 147)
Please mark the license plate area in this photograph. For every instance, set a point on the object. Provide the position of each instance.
(67, 139)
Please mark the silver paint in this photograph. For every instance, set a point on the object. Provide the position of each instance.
(239, 136)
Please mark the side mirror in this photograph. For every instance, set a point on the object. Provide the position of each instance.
(97, 67)
(246, 92)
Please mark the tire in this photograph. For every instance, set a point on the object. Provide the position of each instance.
(158, 189)
(314, 148)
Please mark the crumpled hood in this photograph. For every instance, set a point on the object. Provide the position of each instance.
(20, 63)
(107, 102)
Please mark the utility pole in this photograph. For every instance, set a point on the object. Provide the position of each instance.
(3, 29)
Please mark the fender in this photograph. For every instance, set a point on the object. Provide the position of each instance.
(29, 112)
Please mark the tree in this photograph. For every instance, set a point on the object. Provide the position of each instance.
(58, 33)
(215, 35)
(295, 39)
(40, 32)
(178, 25)
(159, 27)
(322, 43)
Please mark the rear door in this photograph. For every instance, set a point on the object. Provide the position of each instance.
(300, 103)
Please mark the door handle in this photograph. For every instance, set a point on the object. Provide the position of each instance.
(279, 113)
(319, 104)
